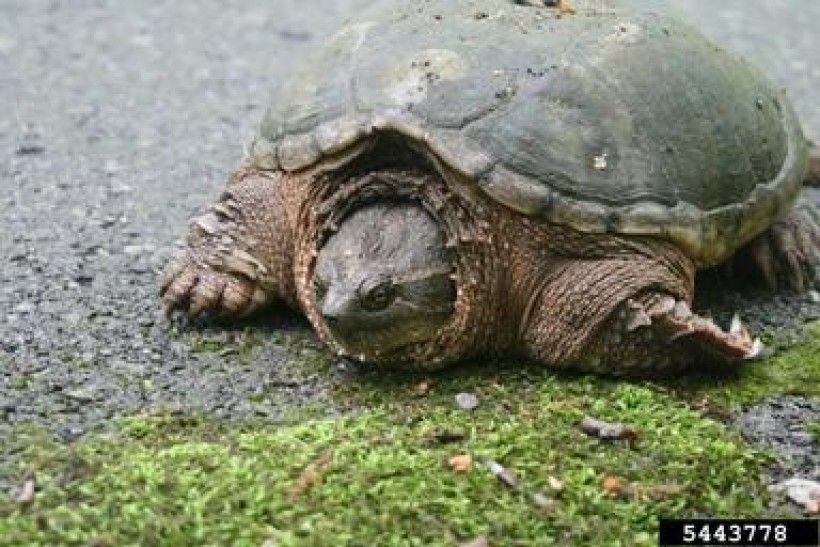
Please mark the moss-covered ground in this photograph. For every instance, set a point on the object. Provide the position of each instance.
(379, 475)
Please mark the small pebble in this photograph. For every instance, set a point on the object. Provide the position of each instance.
(612, 485)
(460, 463)
(606, 430)
(30, 150)
(25, 495)
(83, 395)
(24, 307)
(800, 491)
(502, 474)
(108, 222)
(543, 502)
(133, 250)
(467, 401)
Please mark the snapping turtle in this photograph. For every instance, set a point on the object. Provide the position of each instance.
(438, 181)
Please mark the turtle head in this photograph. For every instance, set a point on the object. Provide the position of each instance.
(383, 280)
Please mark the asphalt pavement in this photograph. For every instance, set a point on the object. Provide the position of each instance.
(121, 120)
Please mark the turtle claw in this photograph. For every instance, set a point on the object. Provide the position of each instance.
(736, 326)
(198, 290)
(788, 253)
(757, 350)
(704, 336)
(176, 287)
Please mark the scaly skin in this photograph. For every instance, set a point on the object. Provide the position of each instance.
(238, 257)
(786, 255)
(612, 304)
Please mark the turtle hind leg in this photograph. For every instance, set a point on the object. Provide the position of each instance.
(622, 307)
(236, 254)
(655, 334)
(787, 254)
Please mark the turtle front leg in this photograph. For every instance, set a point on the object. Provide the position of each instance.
(237, 255)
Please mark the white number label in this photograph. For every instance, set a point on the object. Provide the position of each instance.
(689, 533)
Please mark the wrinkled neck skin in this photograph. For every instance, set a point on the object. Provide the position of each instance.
(466, 287)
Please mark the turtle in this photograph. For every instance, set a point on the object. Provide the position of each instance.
(452, 179)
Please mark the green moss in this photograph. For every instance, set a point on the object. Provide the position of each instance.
(190, 481)
(814, 429)
(204, 342)
(381, 476)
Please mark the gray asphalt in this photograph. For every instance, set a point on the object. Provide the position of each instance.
(118, 122)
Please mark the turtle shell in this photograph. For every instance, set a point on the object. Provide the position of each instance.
(605, 120)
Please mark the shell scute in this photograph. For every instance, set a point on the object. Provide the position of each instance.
(605, 121)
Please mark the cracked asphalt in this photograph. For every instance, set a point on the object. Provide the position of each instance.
(120, 120)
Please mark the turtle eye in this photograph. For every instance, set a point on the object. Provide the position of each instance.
(379, 297)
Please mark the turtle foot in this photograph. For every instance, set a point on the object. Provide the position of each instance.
(234, 254)
(196, 289)
(703, 336)
(787, 255)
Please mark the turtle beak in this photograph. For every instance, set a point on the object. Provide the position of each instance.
(334, 307)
